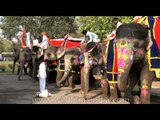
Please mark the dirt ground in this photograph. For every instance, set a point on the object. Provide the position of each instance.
(13, 91)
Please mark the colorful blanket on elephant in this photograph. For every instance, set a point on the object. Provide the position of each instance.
(112, 67)
(70, 43)
(58, 66)
(154, 52)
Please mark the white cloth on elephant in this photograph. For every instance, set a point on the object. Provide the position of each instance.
(44, 43)
(28, 39)
(42, 75)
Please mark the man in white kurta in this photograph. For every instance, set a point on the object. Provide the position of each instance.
(28, 40)
(44, 43)
(42, 75)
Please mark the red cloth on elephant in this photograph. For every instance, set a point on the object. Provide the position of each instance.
(156, 32)
(23, 45)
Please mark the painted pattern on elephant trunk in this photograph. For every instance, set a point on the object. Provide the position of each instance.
(125, 60)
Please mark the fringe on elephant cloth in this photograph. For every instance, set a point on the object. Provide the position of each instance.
(57, 65)
(112, 67)
(154, 52)
(60, 66)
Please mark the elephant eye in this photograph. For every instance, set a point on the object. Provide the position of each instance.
(136, 45)
(48, 54)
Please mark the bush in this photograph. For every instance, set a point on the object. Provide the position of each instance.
(2, 67)
(10, 66)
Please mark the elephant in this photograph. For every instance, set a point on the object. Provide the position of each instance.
(70, 57)
(36, 58)
(95, 58)
(72, 65)
(25, 60)
(16, 53)
(132, 60)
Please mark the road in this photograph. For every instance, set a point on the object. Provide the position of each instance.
(13, 91)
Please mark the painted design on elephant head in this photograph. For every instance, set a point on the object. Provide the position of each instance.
(139, 54)
(124, 49)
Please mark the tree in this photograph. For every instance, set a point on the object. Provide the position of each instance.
(52, 25)
(101, 25)
(6, 45)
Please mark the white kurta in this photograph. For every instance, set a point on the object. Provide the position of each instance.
(28, 39)
(42, 76)
(44, 42)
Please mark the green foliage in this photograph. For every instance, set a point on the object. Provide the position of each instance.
(6, 67)
(101, 25)
(59, 25)
(6, 45)
(52, 25)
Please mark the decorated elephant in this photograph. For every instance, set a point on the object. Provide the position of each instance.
(67, 60)
(37, 56)
(95, 58)
(132, 60)
(25, 60)
(16, 53)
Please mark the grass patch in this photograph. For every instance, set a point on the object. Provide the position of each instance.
(6, 67)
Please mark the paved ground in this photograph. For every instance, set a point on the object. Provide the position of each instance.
(13, 91)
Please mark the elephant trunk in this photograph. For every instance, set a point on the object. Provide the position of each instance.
(124, 72)
(86, 75)
(66, 73)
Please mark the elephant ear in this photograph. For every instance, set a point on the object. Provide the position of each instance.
(60, 52)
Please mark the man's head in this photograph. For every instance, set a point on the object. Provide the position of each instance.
(34, 37)
(26, 29)
(43, 33)
(115, 21)
(84, 32)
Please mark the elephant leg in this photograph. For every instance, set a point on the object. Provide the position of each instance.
(104, 85)
(25, 70)
(113, 91)
(133, 80)
(18, 70)
(82, 79)
(34, 72)
(71, 84)
(86, 82)
(30, 69)
(14, 63)
(59, 76)
(21, 70)
(146, 79)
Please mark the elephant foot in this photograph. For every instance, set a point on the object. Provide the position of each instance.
(104, 97)
(73, 86)
(115, 99)
(81, 91)
(56, 86)
(85, 98)
(59, 84)
(136, 100)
